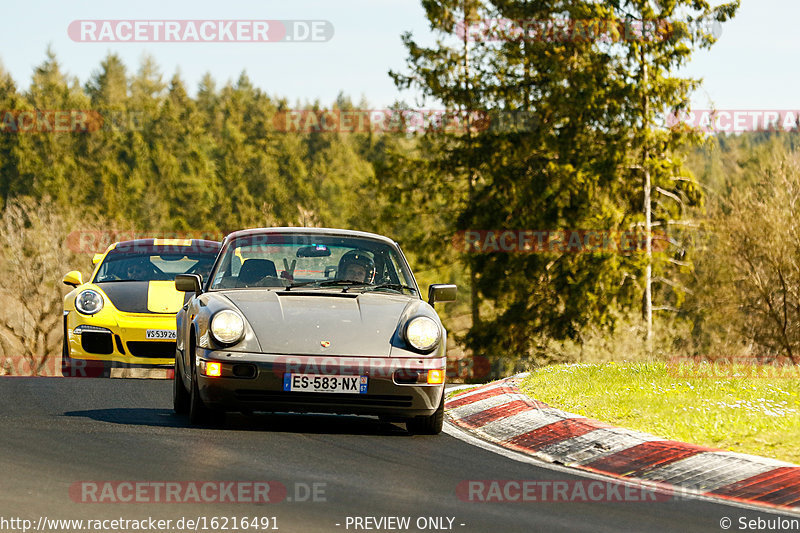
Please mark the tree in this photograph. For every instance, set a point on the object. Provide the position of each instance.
(183, 175)
(106, 155)
(578, 165)
(649, 59)
(10, 151)
(747, 286)
(33, 236)
(47, 159)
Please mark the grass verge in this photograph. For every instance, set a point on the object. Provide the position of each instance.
(743, 408)
(453, 393)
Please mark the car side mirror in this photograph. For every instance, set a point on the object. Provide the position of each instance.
(96, 258)
(73, 279)
(189, 283)
(439, 292)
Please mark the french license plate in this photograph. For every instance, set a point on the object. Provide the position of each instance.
(319, 383)
(161, 334)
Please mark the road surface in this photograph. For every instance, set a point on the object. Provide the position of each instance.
(65, 441)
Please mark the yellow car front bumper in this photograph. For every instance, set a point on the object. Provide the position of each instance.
(120, 338)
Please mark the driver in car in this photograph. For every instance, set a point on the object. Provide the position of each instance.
(356, 266)
(137, 271)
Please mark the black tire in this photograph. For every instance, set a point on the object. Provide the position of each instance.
(199, 413)
(66, 364)
(428, 425)
(180, 397)
(66, 367)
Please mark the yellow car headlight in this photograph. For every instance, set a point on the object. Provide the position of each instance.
(89, 302)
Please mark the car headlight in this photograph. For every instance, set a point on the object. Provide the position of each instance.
(227, 326)
(89, 302)
(423, 333)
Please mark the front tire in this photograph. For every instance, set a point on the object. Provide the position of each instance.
(428, 425)
(66, 367)
(180, 397)
(66, 362)
(199, 413)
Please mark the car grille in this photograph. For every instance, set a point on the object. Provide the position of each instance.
(247, 395)
(161, 349)
(97, 342)
(118, 341)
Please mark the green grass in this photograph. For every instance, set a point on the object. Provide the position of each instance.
(743, 408)
(453, 394)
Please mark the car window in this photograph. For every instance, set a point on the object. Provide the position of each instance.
(283, 260)
(145, 267)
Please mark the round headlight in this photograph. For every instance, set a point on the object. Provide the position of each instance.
(227, 326)
(423, 333)
(89, 302)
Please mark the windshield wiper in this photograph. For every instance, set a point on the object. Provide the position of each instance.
(301, 284)
(341, 282)
(330, 283)
(393, 286)
(348, 283)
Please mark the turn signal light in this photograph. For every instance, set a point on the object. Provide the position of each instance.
(435, 377)
(212, 369)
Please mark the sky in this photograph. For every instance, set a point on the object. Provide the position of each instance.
(752, 66)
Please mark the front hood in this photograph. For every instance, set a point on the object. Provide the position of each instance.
(302, 323)
(143, 296)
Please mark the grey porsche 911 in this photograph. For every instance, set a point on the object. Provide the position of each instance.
(311, 320)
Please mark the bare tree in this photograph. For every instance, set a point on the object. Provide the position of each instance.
(33, 236)
(759, 250)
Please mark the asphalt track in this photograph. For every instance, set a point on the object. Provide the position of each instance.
(56, 433)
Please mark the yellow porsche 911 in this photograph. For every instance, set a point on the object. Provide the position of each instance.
(124, 316)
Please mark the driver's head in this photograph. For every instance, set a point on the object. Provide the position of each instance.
(356, 266)
(136, 271)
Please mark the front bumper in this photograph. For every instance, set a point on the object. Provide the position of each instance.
(120, 340)
(392, 391)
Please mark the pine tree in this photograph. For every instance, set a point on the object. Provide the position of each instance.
(569, 165)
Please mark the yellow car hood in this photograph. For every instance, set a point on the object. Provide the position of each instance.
(143, 296)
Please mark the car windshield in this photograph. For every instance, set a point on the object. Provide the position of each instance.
(313, 262)
(154, 266)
